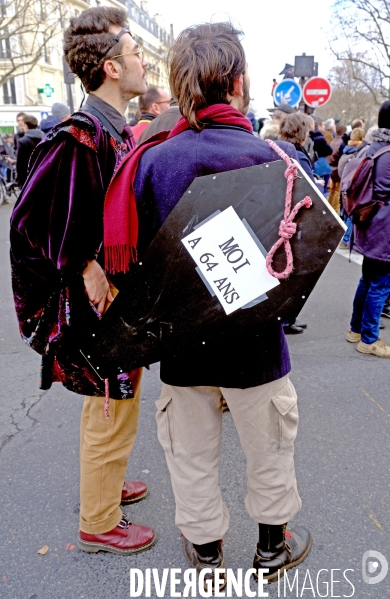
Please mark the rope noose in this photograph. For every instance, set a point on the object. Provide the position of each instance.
(287, 227)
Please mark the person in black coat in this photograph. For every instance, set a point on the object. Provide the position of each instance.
(20, 130)
(294, 128)
(321, 150)
(26, 145)
(321, 146)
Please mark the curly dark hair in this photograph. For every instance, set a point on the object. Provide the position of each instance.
(205, 60)
(88, 42)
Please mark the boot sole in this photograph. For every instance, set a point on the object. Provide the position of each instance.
(95, 547)
(274, 576)
(191, 564)
(136, 499)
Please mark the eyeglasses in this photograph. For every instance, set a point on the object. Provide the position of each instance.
(164, 101)
(139, 53)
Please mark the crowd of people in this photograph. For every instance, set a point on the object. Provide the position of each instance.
(91, 203)
(323, 150)
(16, 149)
(7, 165)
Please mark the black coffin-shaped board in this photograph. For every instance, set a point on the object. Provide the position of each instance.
(167, 304)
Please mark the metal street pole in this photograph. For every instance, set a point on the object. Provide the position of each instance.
(69, 78)
(70, 97)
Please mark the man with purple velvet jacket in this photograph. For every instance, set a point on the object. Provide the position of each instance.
(249, 368)
(58, 283)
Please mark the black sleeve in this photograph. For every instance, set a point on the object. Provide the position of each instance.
(324, 149)
(22, 158)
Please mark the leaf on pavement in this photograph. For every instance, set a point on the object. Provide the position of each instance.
(43, 550)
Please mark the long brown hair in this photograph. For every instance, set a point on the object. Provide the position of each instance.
(205, 60)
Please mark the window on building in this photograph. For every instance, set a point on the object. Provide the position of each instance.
(60, 17)
(14, 43)
(7, 8)
(46, 52)
(9, 92)
(5, 47)
(41, 9)
(19, 86)
(45, 48)
(131, 9)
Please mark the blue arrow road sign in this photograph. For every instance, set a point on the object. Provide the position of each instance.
(288, 92)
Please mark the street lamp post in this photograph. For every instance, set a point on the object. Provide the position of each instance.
(69, 78)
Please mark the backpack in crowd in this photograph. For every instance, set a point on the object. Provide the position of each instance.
(357, 186)
(345, 158)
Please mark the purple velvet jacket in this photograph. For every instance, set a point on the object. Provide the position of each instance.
(56, 226)
(229, 358)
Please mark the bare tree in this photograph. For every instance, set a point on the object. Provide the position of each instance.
(362, 37)
(27, 27)
(352, 97)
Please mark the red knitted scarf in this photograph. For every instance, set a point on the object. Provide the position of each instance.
(120, 210)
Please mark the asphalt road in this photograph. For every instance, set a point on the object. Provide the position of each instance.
(342, 463)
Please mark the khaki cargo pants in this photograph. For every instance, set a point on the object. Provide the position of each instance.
(189, 422)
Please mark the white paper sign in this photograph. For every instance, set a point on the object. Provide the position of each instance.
(229, 260)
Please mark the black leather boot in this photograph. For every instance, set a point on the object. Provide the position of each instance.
(206, 556)
(279, 549)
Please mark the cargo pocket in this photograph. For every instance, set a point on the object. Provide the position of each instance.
(165, 423)
(285, 403)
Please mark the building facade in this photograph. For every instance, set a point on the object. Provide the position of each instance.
(36, 91)
(150, 33)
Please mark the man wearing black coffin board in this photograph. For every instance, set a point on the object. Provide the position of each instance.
(209, 78)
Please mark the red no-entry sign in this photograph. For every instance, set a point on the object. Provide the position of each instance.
(317, 92)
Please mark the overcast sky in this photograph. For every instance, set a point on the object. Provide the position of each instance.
(275, 32)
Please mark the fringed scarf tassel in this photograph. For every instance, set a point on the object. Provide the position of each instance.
(118, 258)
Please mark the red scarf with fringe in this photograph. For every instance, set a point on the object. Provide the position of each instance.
(120, 210)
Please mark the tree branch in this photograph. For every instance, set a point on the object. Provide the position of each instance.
(27, 27)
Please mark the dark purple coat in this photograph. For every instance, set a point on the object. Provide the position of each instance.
(233, 358)
(56, 226)
(374, 241)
